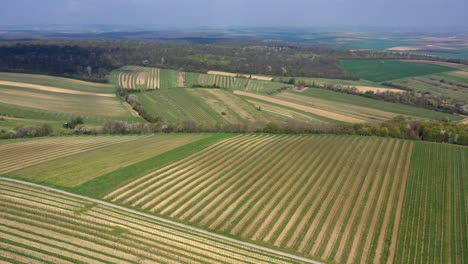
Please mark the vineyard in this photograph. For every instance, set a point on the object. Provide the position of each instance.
(20, 155)
(43, 226)
(234, 83)
(434, 220)
(143, 78)
(292, 192)
(73, 161)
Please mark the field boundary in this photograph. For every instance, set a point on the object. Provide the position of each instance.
(191, 228)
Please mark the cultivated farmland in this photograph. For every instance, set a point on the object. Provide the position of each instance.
(43, 226)
(24, 96)
(379, 71)
(23, 154)
(434, 219)
(76, 169)
(292, 192)
(143, 78)
(233, 83)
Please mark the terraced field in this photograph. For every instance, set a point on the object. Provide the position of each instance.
(42, 226)
(292, 192)
(75, 168)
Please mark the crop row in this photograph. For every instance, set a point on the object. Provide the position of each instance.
(433, 225)
(54, 228)
(24, 154)
(322, 196)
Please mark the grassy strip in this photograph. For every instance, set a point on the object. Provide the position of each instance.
(106, 183)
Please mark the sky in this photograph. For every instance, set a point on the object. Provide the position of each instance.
(216, 13)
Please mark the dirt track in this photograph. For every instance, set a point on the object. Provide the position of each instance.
(304, 108)
(52, 89)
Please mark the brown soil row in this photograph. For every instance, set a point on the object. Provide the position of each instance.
(33, 253)
(227, 201)
(41, 245)
(52, 89)
(200, 175)
(167, 177)
(322, 200)
(128, 188)
(258, 183)
(215, 195)
(348, 172)
(285, 180)
(266, 220)
(220, 175)
(339, 225)
(368, 213)
(370, 234)
(346, 238)
(308, 109)
(72, 241)
(289, 216)
(397, 219)
(48, 155)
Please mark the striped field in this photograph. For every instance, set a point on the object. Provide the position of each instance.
(144, 78)
(28, 153)
(71, 168)
(39, 226)
(293, 192)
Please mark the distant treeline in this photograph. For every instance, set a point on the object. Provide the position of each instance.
(94, 59)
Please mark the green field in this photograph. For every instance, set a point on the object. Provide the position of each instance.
(384, 70)
(434, 221)
(296, 193)
(40, 226)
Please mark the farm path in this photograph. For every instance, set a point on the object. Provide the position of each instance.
(191, 228)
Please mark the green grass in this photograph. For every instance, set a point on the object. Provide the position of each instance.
(58, 82)
(434, 221)
(178, 105)
(398, 109)
(77, 169)
(379, 71)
